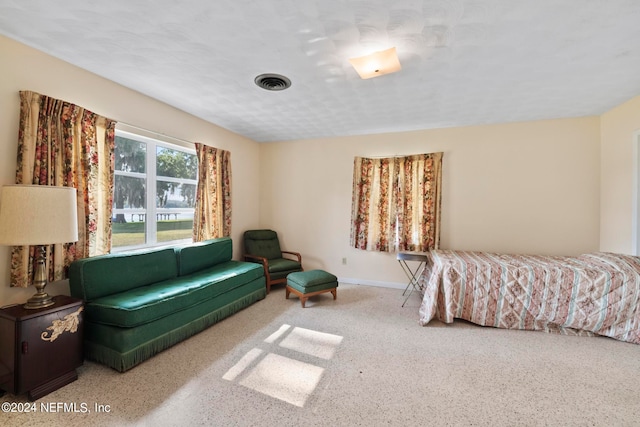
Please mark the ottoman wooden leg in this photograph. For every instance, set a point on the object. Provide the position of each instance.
(303, 298)
(334, 291)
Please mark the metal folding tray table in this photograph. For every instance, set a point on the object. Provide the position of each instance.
(412, 274)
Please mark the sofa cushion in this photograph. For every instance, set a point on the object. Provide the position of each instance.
(199, 256)
(148, 303)
(129, 339)
(99, 276)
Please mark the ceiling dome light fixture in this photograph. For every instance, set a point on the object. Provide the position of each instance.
(273, 82)
(377, 64)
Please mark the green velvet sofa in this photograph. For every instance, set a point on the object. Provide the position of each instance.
(140, 303)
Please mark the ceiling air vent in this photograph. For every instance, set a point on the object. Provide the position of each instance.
(272, 81)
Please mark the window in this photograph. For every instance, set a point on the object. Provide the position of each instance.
(154, 192)
(396, 203)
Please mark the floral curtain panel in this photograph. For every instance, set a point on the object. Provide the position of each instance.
(212, 216)
(63, 144)
(396, 203)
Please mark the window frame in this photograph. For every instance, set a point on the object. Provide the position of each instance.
(152, 142)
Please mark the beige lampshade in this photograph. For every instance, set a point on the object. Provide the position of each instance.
(38, 215)
(377, 64)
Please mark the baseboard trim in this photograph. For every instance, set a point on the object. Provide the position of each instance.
(351, 281)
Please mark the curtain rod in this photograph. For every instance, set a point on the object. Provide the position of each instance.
(154, 133)
(396, 156)
(386, 157)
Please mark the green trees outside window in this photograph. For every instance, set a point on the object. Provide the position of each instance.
(154, 191)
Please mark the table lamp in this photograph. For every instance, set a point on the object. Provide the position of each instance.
(38, 215)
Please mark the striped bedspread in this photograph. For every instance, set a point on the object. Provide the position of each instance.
(592, 293)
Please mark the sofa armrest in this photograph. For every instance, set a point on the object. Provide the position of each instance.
(296, 254)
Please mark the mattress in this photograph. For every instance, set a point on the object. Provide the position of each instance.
(594, 293)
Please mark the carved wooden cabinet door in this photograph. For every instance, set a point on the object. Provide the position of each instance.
(42, 348)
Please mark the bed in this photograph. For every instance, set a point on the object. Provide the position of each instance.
(595, 293)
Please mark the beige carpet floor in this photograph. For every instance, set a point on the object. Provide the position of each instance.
(362, 360)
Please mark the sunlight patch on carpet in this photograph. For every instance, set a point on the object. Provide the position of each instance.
(283, 377)
(277, 334)
(314, 343)
(239, 367)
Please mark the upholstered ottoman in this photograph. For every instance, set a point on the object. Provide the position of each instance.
(306, 284)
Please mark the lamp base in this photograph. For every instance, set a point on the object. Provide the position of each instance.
(39, 300)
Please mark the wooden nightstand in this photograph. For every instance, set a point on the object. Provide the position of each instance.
(40, 349)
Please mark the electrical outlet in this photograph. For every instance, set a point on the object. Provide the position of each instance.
(344, 261)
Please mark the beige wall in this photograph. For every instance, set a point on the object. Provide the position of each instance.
(24, 68)
(525, 187)
(620, 130)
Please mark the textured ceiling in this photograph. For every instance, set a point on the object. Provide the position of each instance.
(464, 62)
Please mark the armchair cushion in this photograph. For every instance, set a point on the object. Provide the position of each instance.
(262, 243)
(283, 264)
